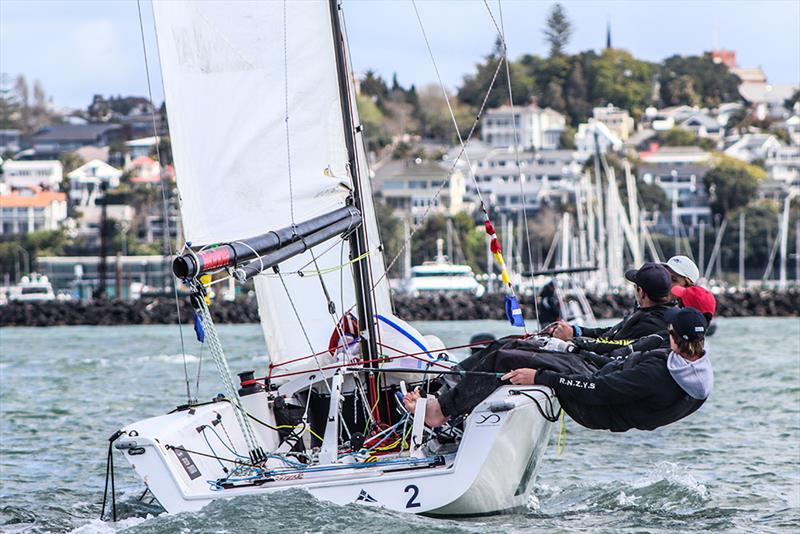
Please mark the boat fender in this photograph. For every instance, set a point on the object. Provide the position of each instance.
(501, 406)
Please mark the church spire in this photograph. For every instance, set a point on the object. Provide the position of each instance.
(608, 34)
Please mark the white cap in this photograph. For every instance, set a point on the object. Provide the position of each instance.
(683, 266)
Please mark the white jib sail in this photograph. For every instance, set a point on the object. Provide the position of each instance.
(229, 68)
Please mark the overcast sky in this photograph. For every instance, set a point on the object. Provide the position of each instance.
(81, 47)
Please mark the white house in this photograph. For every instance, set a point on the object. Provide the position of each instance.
(783, 166)
(703, 125)
(606, 139)
(792, 125)
(34, 173)
(535, 127)
(410, 187)
(725, 110)
(143, 146)
(10, 141)
(679, 171)
(618, 121)
(31, 210)
(144, 169)
(546, 174)
(753, 146)
(85, 181)
(767, 100)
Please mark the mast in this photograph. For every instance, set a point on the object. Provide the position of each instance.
(358, 240)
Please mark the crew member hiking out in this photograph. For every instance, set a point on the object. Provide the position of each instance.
(645, 391)
(683, 271)
(653, 299)
(699, 298)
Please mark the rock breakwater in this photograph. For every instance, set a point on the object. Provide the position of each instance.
(428, 308)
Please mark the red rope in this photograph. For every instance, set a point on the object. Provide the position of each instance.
(379, 360)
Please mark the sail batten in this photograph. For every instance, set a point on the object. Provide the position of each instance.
(228, 69)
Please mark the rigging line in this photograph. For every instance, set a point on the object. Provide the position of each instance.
(164, 200)
(502, 34)
(450, 107)
(305, 333)
(286, 113)
(358, 134)
(446, 179)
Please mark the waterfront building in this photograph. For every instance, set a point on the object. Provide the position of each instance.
(57, 139)
(679, 171)
(89, 152)
(30, 210)
(754, 146)
(409, 186)
(768, 101)
(46, 174)
(618, 121)
(548, 176)
(703, 126)
(144, 169)
(127, 277)
(86, 180)
(88, 220)
(10, 141)
(143, 146)
(536, 128)
(783, 166)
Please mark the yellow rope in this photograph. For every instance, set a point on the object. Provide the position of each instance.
(562, 435)
(308, 427)
(327, 270)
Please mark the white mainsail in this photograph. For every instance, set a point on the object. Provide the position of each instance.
(229, 71)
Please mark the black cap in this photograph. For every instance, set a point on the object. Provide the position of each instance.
(653, 278)
(688, 323)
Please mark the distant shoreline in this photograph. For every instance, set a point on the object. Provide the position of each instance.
(430, 308)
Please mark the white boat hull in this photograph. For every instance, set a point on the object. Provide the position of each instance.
(492, 471)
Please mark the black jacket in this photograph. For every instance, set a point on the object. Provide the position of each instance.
(637, 392)
(642, 322)
(549, 309)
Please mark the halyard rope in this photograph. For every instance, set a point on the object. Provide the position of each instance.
(218, 355)
(165, 203)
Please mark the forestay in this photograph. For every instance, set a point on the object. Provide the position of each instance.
(229, 71)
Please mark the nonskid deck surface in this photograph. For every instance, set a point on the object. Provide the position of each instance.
(187, 466)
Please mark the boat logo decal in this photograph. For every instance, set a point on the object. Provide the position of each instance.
(365, 497)
(291, 476)
(489, 419)
(186, 462)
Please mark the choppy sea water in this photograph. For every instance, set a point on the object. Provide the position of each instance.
(732, 466)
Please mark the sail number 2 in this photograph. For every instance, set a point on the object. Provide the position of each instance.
(412, 500)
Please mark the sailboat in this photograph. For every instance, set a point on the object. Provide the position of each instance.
(274, 187)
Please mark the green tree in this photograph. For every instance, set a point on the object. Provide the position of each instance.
(40, 243)
(792, 100)
(372, 119)
(567, 138)
(558, 30)
(70, 161)
(696, 80)
(680, 90)
(680, 137)
(435, 119)
(474, 87)
(732, 184)
(620, 79)
(577, 93)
